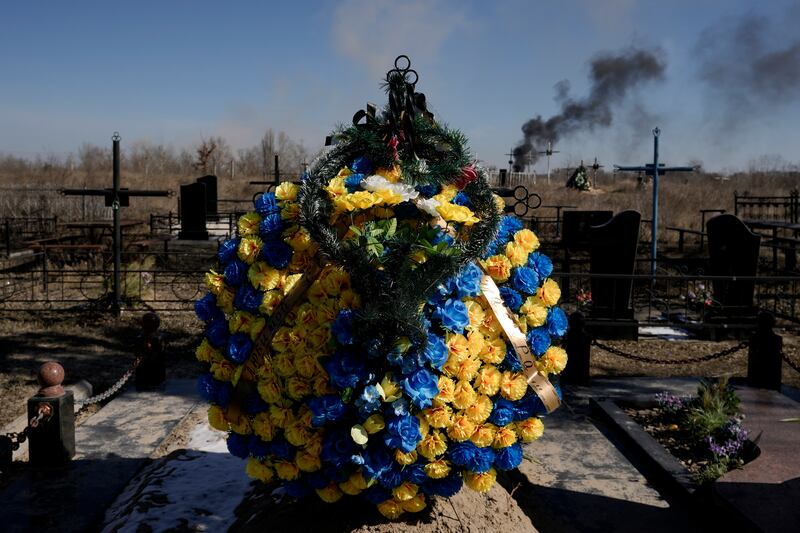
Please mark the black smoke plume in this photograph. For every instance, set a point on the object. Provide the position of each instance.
(612, 77)
(750, 65)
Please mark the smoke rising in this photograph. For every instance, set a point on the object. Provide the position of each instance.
(612, 77)
(750, 65)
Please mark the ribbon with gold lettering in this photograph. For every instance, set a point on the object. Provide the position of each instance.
(538, 382)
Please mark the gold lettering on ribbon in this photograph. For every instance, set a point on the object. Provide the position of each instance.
(536, 381)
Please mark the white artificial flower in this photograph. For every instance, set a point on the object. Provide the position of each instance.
(429, 205)
(379, 183)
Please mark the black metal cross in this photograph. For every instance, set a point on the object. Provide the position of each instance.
(654, 169)
(115, 198)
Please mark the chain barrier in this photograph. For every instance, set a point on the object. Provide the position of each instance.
(10, 442)
(703, 358)
(81, 404)
(791, 363)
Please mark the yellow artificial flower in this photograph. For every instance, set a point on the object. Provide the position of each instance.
(494, 351)
(392, 175)
(336, 187)
(322, 385)
(316, 293)
(225, 299)
(363, 199)
(348, 488)
(463, 394)
(258, 470)
(483, 436)
(424, 427)
(432, 445)
(461, 429)
(387, 197)
(488, 380)
(222, 370)
(314, 444)
(457, 213)
(491, 327)
(262, 426)
(280, 416)
(516, 254)
(391, 390)
(240, 321)
(390, 509)
(283, 363)
(307, 461)
(256, 327)
(530, 429)
(296, 433)
(207, 353)
(404, 458)
(248, 224)
(480, 482)
(552, 361)
(349, 300)
(301, 240)
(499, 203)
(498, 267)
(330, 494)
(357, 480)
(448, 192)
(437, 469)
(527, 240)
(513, 385)
(290, 212)
(535, 313)
(297, 388)
(286, 191)
(476, 313)
(374, 423)
(289, 282)
(215, 282)
(447, 388)
(240, 424)
(262, 276)
(336, 282)
(480, 409)
(270, 302)
(457, 347)
(439, 416)
(216, 418)
(415, 504)
(270, 390)
(306, 365)
(549, 292)
(342, 204)
(475, 342)
(249, 248)
(405, 491)
(504, 436)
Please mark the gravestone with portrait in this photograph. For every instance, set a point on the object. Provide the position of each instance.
(575, 241)
(193, 206)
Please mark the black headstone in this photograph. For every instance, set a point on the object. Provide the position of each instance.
(612, 251)
(733, 251)
(193, 212)
(575, 227)
(210, 182)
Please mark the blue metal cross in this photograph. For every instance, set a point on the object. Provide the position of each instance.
(654, 169)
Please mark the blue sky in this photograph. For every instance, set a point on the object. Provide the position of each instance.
(173, 71)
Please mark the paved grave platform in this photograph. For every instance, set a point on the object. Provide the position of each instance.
(112, 446)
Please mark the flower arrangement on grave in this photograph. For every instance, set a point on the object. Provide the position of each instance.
(381, 330)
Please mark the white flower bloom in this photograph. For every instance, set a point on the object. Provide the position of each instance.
(429, 205)
(379, 183)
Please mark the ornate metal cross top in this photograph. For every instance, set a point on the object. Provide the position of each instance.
(654, 169)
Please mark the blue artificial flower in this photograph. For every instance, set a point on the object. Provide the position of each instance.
(508, 226)
(342, 327)
(406, 210)
(271, 226)
(297, 488)
(239, 445)
(462, 453)
(402, 432)
(468, 281)
(337, 447)
(227, 250)
(429, 190)
(373, 347)
(337, 475)
(556, 322)
(259, 448)
(376, 460)
(217, 332)
(435, 351)
(508, 458)
(398, 407)
(361, 165)
(248, 298)
(235, 273)
(267, 204)
(239, 347)
(482, 460)
(453, 315)
(462, 199)
(353, 182)
(345, 370)
(277, 253)
(225, 394)
(421, 387)
(511, 361)
(447, 487)
(511, 298)
(502, 412)
(442, 236)
(253, 403)
(376, 494)
(541, 264)
(415, 473)
(530, 405)
(539, 340)
(357, 459)
(326, 408)
(525, 280)
(206, 308)
(280, 448)
(318, 480)
(440, 293)
(207, 387)
(391, 477)
(368, 401)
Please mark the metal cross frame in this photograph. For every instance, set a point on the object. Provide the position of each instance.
(654, 169)
(115, 198)
(549, 152)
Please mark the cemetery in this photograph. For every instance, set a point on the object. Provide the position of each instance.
(392, 335)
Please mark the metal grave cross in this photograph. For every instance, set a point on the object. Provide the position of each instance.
(549, 152)
(654, 169)
(115, 198)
